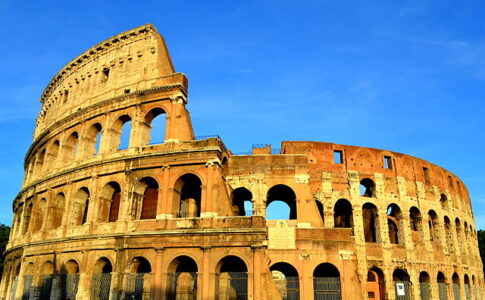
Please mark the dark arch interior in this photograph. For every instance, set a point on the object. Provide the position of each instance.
(185, 264)
(239, 197)
(232, 264)
(343, 214)
(141, 265)
(285, 268)
(326, 270)
(370, 219)
(424, 277)
(441, 278)
(367, 187)
(190, 189)
(400, 275)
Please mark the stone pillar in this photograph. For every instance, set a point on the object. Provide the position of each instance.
(164, 207)
(257, 282)
(159, 284)
(207, 283)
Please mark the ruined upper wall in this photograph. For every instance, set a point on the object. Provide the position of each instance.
(133, 60)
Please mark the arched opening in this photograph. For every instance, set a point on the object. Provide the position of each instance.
(321, 211)
(370, 220)
(14, 280)
(57, 211)
(456, 286)
(138, 279)
(449, 235)
(31, 170)
(286, 279)
(40, 163)
(242, 201)
(80, 207)
(28, 280)
(342, 214)
(442, 289)
(182, 279)
(326, 282)
(101, 281)
(444, 201)
(110, 202)
(68, 281)
(460, 236)
(466, 281)
(121, 133)
(27, 217)
(46, 280)
(281, 203)
(53, 153)
(232, 279)
(425, 286)
(71, 147)
(433, 224)
(376, 288)
(367, 188)
(93, 140)
(39, 213)
(148, 195)
(156, 123)
(402, 284)
(188, 196)
(394, 221)
(415, 217)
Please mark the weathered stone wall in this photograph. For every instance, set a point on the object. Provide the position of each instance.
(169, 208)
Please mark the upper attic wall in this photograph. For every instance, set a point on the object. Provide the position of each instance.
(130, 61)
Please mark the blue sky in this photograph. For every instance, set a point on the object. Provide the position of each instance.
(403, 77)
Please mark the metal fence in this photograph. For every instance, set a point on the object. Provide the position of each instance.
(182, 286)
(456, 291)
(403, 290)
(291, 287)
(232, 285)
(14, 287)
(134, 289)
(443, 291)
(467, 292)
(425, 291)
(46, 286)
(327, 288)
(100, 286)
(27, 287)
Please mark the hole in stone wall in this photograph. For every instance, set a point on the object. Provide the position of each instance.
(338, 157)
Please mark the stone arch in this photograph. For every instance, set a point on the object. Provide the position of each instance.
(342, 214)
(53, 154)
(370, 220)
(232, 278)
(182, 278)
(155, 131)
(449, 234)
(425, 285)
(121, 132)
(367, 188)
(71, 147)
(242, 202)
(402, 284)
(93, 140)
(460, 235)
(28, 280)
(57, 211)
(416, 220)
(27, 216)
(101, 280)
(394, 224)
(47, 277)
(442, 286)
(376, 285)
(466, 284)
(433, 225)
(109, 202)
(455, 279)
(286, 279)
(444, 201)
(187, 197)
(138, 279)
(326, 281)
(80, 207)
(41, 157)
(282, 194)
(39, 214)
(146, 198)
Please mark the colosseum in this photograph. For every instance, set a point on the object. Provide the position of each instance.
(121, 201)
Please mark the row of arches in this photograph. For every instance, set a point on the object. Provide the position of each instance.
(136, 281)
(93, 139)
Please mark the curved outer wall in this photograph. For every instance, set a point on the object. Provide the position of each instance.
(172, 202)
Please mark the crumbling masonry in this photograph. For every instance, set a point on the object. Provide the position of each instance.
(113, 207)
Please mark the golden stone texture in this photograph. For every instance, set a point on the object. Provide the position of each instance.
(165, 219)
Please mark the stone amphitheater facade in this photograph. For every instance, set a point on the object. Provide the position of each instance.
(113, 207)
